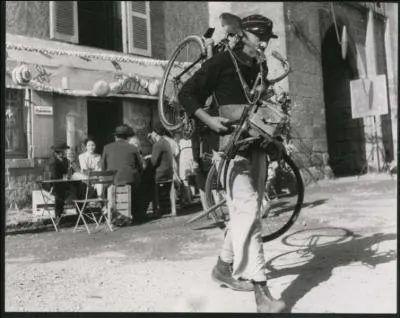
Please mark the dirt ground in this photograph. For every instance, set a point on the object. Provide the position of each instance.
(339, 257)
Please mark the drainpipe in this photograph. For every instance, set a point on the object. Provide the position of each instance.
(391, 86)
(28, 105)
(71, 120)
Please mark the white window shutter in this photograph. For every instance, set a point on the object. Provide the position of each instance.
(138, 25)
(64, 21)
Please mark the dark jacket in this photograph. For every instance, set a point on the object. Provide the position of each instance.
(57, 167)
(161, 159)
(125, 159)
(218, 75)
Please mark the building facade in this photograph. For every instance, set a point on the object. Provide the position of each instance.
(328, 45)
(76, 69)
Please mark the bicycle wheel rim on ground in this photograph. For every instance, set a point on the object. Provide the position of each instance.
(285, 196)
(221, 214)
(170, 111)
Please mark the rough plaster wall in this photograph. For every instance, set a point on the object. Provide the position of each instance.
(158, 27)
(139, 115)
(385, 122)
(30, 18)
(20, 182)
(391, 41)
(305, 80)
(64, 105)
(392, 12)
(183, 18)
(42, 126)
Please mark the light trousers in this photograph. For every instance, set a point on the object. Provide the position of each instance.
(244, 192)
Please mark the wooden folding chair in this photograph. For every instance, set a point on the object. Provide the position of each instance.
(85, 206)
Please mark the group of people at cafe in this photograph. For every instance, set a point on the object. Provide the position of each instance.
(142, 173)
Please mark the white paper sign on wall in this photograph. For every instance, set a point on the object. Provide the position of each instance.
(43, 110)
(369, 96)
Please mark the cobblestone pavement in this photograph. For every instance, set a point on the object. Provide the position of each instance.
(340, 257)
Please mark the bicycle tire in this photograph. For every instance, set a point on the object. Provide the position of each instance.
(218, 214)
(162, 111)
(210, 184)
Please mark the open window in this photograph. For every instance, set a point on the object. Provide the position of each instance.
(111, 25)
(100, 24)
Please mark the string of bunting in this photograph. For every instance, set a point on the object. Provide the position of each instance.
(22, 76)
(89, 56)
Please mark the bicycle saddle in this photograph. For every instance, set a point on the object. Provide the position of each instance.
(231, 23)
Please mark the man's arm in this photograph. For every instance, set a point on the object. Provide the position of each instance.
(199, 87)
(52, 168)
(156, 154)
(103, 163)
(138, 159)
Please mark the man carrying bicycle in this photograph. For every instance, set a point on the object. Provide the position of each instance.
(242, 248)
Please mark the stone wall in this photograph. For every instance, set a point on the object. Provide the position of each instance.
(305, 82)
(65, 105)
(306, 27)
(183, 18)
(20, 180)
(138, 113)
(29, 18)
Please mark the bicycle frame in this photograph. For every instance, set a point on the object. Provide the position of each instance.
(254, 102)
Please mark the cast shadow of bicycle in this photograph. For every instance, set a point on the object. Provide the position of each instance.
(320, 260)
(279, 208)
(284, 207)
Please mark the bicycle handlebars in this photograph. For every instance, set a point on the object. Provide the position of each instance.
(285, 65)
(260, 49)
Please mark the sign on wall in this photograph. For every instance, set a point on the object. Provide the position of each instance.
(43, 110)
(369, 96)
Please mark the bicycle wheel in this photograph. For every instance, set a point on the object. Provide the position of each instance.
(186, 59)
(221, 214)
(282, 202)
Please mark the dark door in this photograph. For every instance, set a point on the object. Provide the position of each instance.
(346, 140)
(103, 117)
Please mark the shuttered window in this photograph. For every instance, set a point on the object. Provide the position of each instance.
(138, 35)
(64, 21)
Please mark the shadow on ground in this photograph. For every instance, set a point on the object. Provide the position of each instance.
(284, 208)
(319, 262)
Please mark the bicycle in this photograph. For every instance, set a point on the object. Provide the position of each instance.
(284, 188)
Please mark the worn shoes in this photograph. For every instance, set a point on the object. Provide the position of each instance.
(222, 275)
(264, 300)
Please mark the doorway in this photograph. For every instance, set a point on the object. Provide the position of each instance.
(103, 117)
(346, 138)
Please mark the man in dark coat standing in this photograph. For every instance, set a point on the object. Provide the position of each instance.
(124, 158)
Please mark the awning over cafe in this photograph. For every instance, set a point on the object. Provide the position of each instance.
(69, 69)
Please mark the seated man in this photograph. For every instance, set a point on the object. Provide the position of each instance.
(60, 168)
